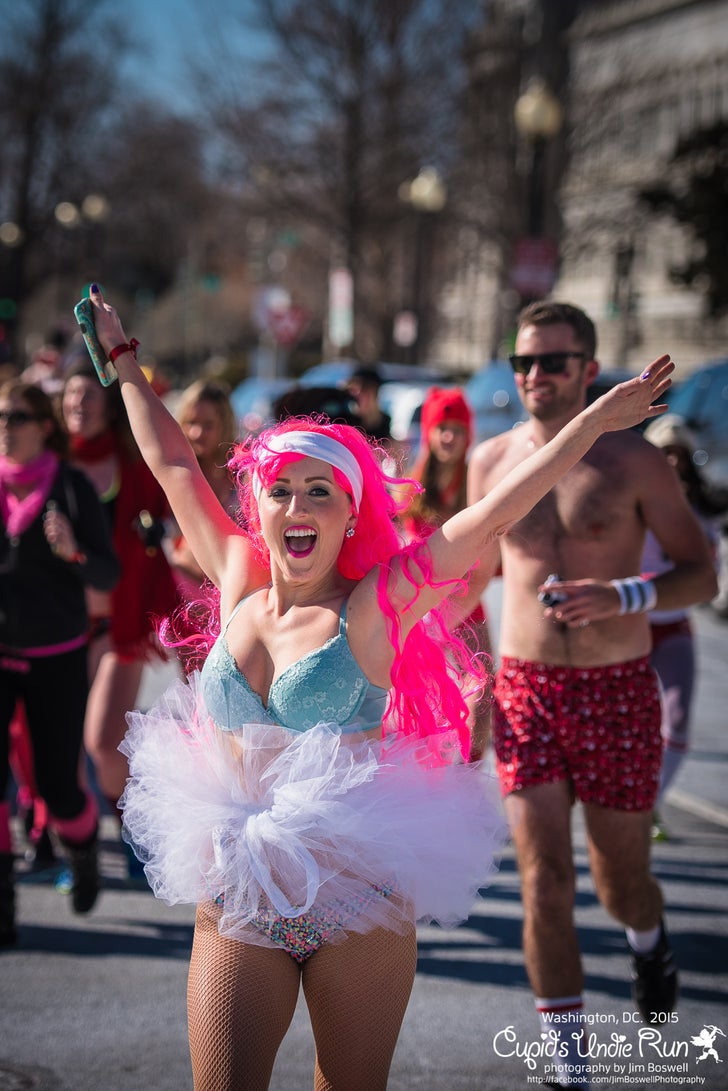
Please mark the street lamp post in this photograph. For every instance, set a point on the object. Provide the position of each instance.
(427, 195)
(538, 117)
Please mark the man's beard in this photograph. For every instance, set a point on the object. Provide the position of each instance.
(567, 402)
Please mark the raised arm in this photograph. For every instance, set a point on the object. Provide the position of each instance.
(216, 541)
(471, 533)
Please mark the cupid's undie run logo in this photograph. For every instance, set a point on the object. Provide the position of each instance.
(583, 1053)
(706, 1042)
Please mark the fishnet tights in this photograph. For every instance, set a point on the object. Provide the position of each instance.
(241, 999)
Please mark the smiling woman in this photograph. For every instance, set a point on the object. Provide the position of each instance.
(351, 822)
(317, 485)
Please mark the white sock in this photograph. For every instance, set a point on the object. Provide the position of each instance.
(643, 942)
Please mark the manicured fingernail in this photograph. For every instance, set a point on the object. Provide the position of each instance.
(645, 375)
(95, 288)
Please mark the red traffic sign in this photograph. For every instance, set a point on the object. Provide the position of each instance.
(288, 325)
(535, 266)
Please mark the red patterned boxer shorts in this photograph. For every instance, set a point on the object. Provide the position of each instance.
(598, 727)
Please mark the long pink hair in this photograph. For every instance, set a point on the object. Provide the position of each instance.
(433, 670)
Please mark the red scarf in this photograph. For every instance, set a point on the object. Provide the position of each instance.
(95, 449)
(146, 590)
(39, 473)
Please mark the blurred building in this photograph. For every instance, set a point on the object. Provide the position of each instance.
(633, 78)
(644, 74)
(506, 183)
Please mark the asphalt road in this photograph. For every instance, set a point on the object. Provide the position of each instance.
(99, 1003)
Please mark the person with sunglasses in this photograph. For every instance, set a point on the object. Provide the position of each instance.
(576, 710)
(54, 542)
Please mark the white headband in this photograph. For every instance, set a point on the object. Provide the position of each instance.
(316, 445)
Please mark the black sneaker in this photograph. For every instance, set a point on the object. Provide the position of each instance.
(84, 864)
(654, 981)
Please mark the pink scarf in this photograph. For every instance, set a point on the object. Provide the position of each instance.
(40, 474)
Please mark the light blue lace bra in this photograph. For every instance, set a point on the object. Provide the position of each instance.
(325, 685)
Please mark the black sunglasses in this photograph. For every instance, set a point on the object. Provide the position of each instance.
(553, 363)
(11, 417)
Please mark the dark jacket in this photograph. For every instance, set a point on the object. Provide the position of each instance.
(42, 597)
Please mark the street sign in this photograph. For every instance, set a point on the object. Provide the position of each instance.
(268, 300)
(341, 308)
(288, 325)
(535, 266)
(405, 328)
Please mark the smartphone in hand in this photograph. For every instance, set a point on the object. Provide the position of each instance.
(84, 312)
(551, 598)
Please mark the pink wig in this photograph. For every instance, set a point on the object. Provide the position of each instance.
(376, 537)
(433, 670)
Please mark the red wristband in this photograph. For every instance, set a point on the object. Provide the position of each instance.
(131, 347)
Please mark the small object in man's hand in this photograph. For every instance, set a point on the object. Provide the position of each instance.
(551, 598)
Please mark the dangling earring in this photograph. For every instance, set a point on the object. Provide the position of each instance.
(349, 532)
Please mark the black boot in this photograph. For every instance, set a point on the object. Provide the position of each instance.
(8, 932)
(83, 861)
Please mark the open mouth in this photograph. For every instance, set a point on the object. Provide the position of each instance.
(300, 541)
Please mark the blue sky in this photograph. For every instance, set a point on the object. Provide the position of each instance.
(168, 31)
(165, 30)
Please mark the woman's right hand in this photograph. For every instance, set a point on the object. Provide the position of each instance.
(629, 403)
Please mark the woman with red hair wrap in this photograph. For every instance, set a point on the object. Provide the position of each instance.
(306, 787)
(441, 464)
(441, 471)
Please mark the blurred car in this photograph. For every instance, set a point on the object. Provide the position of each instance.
(403, 403)
(253, 400)
(300, 401)
(401, 394)
(493, 395)
(702, 401)
(338, 373)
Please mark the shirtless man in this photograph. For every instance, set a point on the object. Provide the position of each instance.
(576, 705)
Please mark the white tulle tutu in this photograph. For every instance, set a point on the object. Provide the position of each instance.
(277, 824)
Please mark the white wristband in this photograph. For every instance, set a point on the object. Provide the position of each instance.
(637, 595)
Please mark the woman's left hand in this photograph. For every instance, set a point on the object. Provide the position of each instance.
(628, 404)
